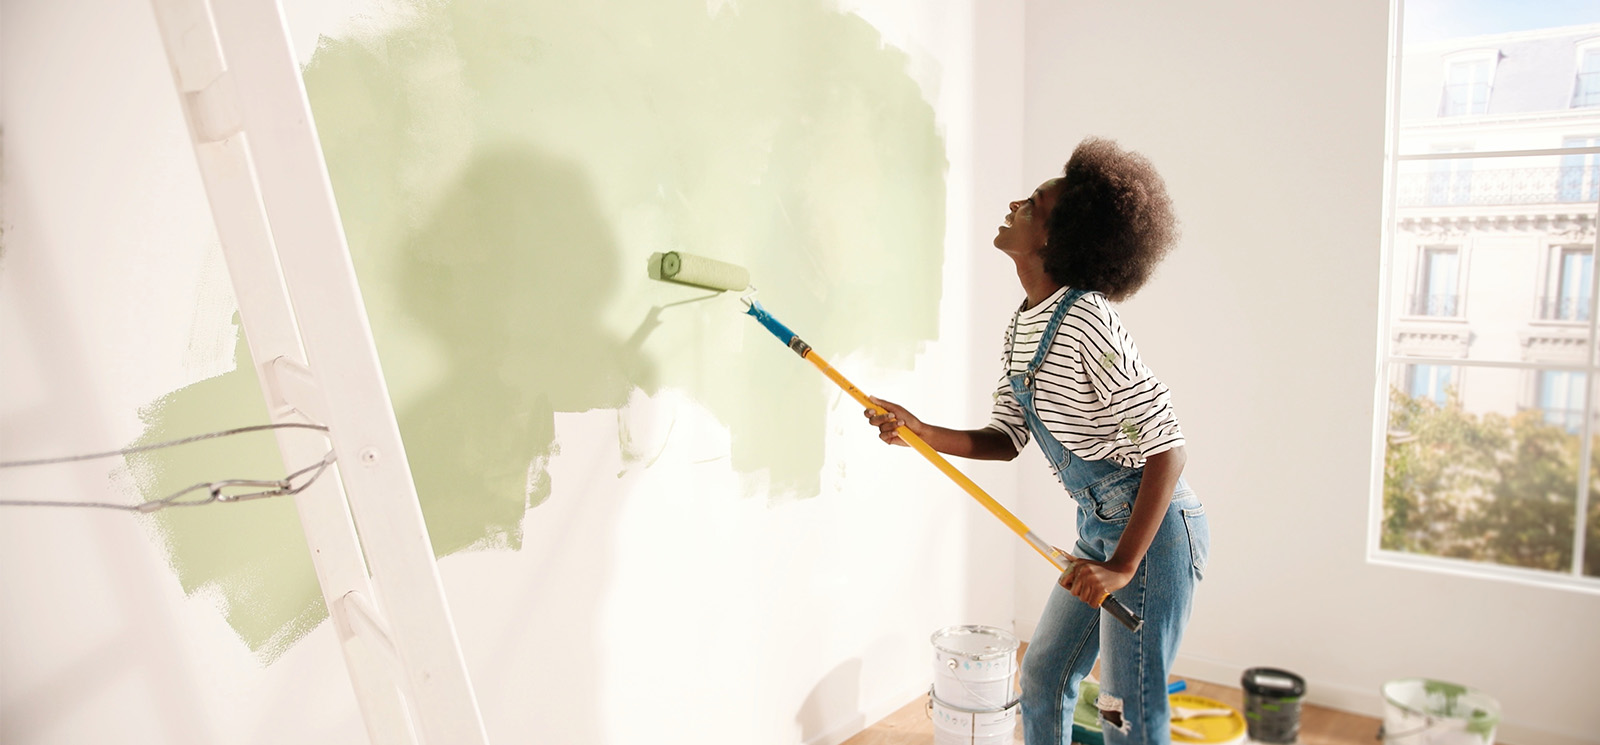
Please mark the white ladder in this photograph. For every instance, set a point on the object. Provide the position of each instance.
(241, 92)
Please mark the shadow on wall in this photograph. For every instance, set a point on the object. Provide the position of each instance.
(834, 704)
(508, 277)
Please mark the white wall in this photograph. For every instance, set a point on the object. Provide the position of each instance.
(667, 607)
(1267, 120)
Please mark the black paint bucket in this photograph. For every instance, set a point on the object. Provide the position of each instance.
(1272, 704)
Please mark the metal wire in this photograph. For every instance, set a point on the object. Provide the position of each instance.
(160, 445)
(214, 491)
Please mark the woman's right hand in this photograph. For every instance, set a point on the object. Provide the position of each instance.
(891, 418)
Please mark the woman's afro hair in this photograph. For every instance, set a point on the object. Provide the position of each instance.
(1112, 221)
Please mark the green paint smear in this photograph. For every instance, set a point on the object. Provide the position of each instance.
(249, 556)
(504, 168)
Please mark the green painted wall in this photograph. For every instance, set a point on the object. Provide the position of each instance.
(503, 169)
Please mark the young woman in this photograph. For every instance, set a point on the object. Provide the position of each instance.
(1074, 384)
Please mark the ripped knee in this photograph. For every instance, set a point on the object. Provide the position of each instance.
(1111, 712)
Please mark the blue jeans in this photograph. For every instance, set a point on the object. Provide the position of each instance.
(1134, 665)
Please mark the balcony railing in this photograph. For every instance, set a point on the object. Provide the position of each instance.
(1564, 308)
(1445, 306)
(1501, 186)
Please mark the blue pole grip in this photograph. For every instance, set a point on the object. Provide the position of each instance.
(789, 338)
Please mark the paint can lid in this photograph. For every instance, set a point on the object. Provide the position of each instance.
(1273, 683)
(975, 642)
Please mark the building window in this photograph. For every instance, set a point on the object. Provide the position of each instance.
(1438, 282)
(1488, 461)
(1561, 400)
(1429, 383)
(1571, 279)
(1467, 83)
(1586, 89)
(1579, 178)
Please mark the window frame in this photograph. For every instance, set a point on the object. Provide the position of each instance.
(1444, 377)
(1394, 362)
(1583, 49)
(1541, 391)
(1422, 280)
(1491, 59)
(1553, 284)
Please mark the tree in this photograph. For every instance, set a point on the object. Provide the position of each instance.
(1485, 487)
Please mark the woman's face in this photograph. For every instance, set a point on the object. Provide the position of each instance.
(1025, 230)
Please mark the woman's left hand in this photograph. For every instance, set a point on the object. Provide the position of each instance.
(1091, 581)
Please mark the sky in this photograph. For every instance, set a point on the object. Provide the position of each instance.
(1434, 20)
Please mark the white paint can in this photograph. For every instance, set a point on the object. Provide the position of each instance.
(955, 726)
(975, 668)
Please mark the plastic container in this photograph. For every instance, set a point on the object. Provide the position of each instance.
(1419, 711)
(1209, 730)
(1272, 704)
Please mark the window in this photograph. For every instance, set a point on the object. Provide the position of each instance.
(1466, 86)
(1586, 89)
(1429, 383)
(1579, 178)
(1438, 282)
(1571, 280)
(1560, 399)
(1488, 459)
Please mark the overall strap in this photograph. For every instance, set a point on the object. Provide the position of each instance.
(1049, 334)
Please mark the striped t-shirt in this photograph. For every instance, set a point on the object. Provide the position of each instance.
(1092, 391)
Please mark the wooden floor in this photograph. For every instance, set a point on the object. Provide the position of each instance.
(1318, 725)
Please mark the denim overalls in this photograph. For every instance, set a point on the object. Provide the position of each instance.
(1134, 665)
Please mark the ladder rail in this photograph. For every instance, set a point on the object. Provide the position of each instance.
(312, 347)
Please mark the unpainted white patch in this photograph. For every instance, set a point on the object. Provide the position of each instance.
(213, 334)
(366, 21)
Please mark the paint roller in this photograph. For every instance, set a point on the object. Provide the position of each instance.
(710, 274)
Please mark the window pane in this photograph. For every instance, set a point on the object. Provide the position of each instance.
(1466, 91)
(1492, 259)
(1586, 89)
(1499, 182)
(1591, 540)
(1572, 299)
(1490, 287)
(1560, 399)
(1438, 285)
(1480, 476)
(1430, 383)
(1453, 75)
(1578, 179)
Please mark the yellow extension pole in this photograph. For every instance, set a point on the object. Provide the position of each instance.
(698, 271)
(1060, 559)
(939, 461)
